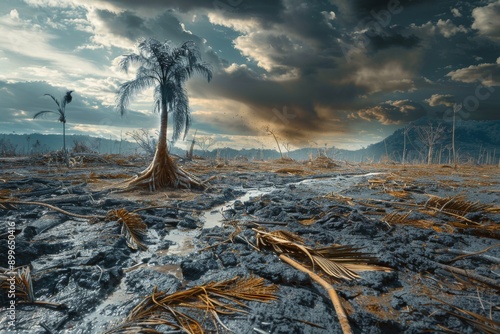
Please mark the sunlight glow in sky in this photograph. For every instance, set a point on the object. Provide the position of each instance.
(342, 72)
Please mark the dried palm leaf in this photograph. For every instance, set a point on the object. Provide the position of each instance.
(399, 194)
(337, 261)
(396, 218)
(479, 322)
(22, 283)
(133, 228)
(455, 204)
(215, 298)
(5, 199)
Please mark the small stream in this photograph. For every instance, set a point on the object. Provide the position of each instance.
(216, 215)
(184, 240)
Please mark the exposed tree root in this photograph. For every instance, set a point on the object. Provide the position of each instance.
(164, 173)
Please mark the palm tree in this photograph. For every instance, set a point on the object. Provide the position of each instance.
(61, 111)
(166, 68)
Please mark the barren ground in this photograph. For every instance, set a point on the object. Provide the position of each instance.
(437, 229)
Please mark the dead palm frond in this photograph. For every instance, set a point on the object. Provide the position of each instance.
(215, 298)
(479, 322)
(5, 197)
(457, 205)
(337, 261)
(21, 281)
(133, 228)
(396, 218)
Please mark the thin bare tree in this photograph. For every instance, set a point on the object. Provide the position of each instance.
(205, 142)
(271, 132)
(429, 135)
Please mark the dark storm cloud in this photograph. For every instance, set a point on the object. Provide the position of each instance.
(394, 40)
(295, 108)
(126, 24)
(263, 9)
(392, 112)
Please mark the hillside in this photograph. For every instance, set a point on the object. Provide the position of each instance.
(476, 141)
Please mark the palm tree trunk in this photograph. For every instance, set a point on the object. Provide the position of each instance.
(163, 171)
(66, 158)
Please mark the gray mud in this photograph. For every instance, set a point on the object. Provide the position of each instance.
(97, 279)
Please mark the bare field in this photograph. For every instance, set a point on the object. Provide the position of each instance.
(410, 248)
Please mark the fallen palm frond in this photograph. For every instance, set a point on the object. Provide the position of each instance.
(5, 199)
(454, 206)
(344, 322)
(396, 218)
(21, 282)
(457, 205)
(471, 275)
(18, 281)
(479, 322)
(133, 228)
(215, 298)
(337, 261)
(464, 254)
(8, 204)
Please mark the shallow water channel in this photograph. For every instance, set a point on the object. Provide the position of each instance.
(183, 240)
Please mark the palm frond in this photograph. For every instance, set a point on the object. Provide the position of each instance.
(479, 322)
(215, 298)
(204, 69)
(181, 114)
(66, 99)
(455, 204)
(5, 199)
(22, 282)
(337, 261)
(133, 228)
(43, 112)
(131, 88)
(55, 100)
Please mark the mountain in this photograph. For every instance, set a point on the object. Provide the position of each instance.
(14, 144)
(475, 141)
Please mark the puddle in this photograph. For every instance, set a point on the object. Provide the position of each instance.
(183, 242)
(216, 214)
(106, 313)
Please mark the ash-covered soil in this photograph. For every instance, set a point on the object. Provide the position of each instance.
(86, 269)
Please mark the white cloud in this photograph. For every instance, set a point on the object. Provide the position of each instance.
(487, 20)
(448, 28)
(330, 16)
(440, 99)
(456, 12)
(14, 14)
(241, 25)
(488, 74)
(23, 37)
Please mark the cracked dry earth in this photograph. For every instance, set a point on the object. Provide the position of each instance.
(444, 262)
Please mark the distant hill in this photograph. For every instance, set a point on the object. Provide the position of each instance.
(475, 141)
(40, 143)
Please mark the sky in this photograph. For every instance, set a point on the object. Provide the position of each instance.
(344, 73)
